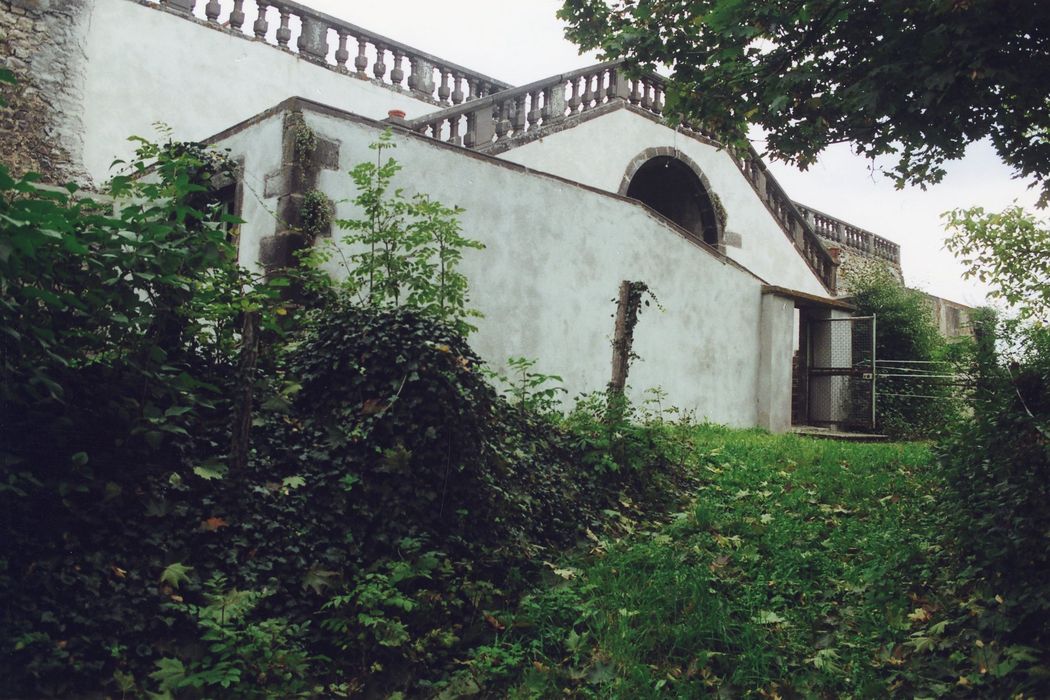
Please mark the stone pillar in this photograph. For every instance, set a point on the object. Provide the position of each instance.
(421, 79)
(554, 103)
(182, 6)
(313, 41)
(619, 85)
(481, 127)
(775, 351)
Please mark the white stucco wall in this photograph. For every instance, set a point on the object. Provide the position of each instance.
(144, 65)
(554, 259)
(598, 153)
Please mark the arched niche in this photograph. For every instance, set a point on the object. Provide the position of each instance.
(673, 185)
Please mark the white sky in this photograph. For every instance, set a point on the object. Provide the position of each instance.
(519, 42)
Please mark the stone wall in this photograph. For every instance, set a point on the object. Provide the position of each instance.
(41, 42)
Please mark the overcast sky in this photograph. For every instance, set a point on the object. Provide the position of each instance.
(522, 41)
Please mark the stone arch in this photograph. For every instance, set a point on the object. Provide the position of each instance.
(672, 184)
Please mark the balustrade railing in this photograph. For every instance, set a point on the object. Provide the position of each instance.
(802, 232)
(844, 233)
(330, 41)
(487, 123)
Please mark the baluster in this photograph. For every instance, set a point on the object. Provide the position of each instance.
(261, 26)
(379, 69)
(422, 78)
(342, 55)
(636, 95)
(361, 62)
(397, 75)
(212, 10)
(457, 92)
(647, 100)
(472, 89)
(237, 15)
(575, 100)
(658, 103)
(585, 93)
(502, 119)
(519, 115)
(453, 131)
(444, 91)
(535, 113)
(284, 33)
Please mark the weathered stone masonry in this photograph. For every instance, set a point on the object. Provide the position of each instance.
(41, 43)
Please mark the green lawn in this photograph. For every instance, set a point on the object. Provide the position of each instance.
(803, 568)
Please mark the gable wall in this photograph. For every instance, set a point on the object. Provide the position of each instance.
(598, 152)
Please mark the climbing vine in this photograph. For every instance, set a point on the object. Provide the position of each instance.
(315, 214)
(305, 138)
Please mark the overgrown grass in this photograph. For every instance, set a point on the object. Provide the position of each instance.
(804, 568)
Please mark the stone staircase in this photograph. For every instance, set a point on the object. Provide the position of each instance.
(498, 122)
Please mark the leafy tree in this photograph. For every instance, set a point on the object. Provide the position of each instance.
(914, 80)
(1009, 250)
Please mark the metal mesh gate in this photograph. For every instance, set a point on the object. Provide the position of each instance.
(841, 372)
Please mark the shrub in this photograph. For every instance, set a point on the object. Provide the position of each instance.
(908, 341)
(998, 465)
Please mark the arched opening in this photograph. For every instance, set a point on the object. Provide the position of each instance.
(674, 190)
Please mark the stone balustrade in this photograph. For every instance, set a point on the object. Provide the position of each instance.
(843, 233)
(489, 123)
(345, 47)
(802, 231)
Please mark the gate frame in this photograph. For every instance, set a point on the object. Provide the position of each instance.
(851, 371)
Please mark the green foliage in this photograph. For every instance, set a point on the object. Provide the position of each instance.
(804, 568)
(1009, 250)
(305, 138)
(404, 252)
(240, 657)
(914, 81)
(906, 406)
(531, 391)
(119, 320)
(997, 459)
(315, 214)
(388, 491)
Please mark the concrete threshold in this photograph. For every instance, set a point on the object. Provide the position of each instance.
(836, 434)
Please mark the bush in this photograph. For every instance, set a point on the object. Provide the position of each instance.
(998, 465)
(389, 504)
(906, 338)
